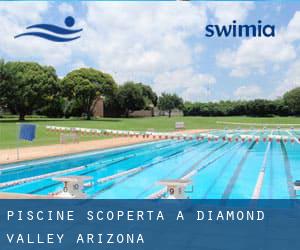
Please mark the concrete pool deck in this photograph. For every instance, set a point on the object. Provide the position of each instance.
(31, 153)
(24, 196)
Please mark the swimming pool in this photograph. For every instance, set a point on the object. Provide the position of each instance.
(218, 169)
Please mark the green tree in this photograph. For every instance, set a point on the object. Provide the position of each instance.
(167, 102)
(292, 100)
(85, 84)
(26, 86)
(131, 98)
(281, 107)
(3, 83)
(149, 95)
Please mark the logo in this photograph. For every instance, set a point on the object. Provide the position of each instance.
(238, 30)
(57, 34)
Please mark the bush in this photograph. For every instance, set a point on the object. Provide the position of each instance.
(258, 107)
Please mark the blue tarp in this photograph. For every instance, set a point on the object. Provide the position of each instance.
(27, 132)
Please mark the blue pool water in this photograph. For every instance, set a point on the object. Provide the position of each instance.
(222, 169)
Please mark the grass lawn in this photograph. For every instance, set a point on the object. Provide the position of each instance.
(9, 127)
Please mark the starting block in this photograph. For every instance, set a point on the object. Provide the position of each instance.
(296, 186)
(176, 188)
(73, 186)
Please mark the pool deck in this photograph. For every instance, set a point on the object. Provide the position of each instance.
(31, 153)
(24, 196)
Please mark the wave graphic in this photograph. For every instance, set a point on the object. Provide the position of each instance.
(69, 21)
(48, 36)
(55, 29)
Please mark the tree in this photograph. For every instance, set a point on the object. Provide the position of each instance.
(260, 107)
(292, 100)
(26, 86)
(84, 85)
(281, 107)
(3, 83)
(131, 98)
(149, 94)
(167, 102)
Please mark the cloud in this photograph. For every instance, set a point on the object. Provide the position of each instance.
(157, 44)
(226, 12)
(293, 28)
(254, 55)
(198, 49)
(248, 92)
(291, 80)
(23, 12)
(141, 39)
(14, 18)
(65, 8)
(292, 76)
(187, 83)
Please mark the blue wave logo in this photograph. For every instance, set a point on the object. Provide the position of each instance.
(60, 34)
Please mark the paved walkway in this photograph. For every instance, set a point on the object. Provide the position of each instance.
(31, 153)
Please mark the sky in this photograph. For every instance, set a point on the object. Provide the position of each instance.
(163, 44)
